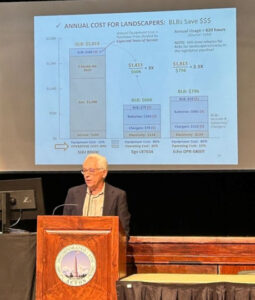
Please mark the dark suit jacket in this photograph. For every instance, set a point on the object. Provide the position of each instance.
(115, 203)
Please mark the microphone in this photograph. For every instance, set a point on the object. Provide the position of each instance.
(65, 204)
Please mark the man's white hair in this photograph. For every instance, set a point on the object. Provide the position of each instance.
(101, 160)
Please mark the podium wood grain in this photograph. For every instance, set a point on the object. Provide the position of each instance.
(102, 235)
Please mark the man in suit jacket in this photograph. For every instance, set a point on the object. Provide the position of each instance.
(96, 197)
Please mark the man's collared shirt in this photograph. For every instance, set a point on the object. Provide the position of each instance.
(93, 204)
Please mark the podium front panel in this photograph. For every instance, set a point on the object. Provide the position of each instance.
(77, 258)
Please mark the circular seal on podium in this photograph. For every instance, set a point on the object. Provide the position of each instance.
(75, 265)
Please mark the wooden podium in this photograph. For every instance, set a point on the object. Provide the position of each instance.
(79, 257)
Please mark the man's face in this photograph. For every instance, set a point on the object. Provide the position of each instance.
(93, 175)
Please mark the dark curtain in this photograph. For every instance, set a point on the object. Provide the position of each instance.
(211, 291)
(17, 266)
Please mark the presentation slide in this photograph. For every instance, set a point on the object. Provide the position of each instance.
(156, 88)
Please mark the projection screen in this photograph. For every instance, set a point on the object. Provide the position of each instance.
(152, 85)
